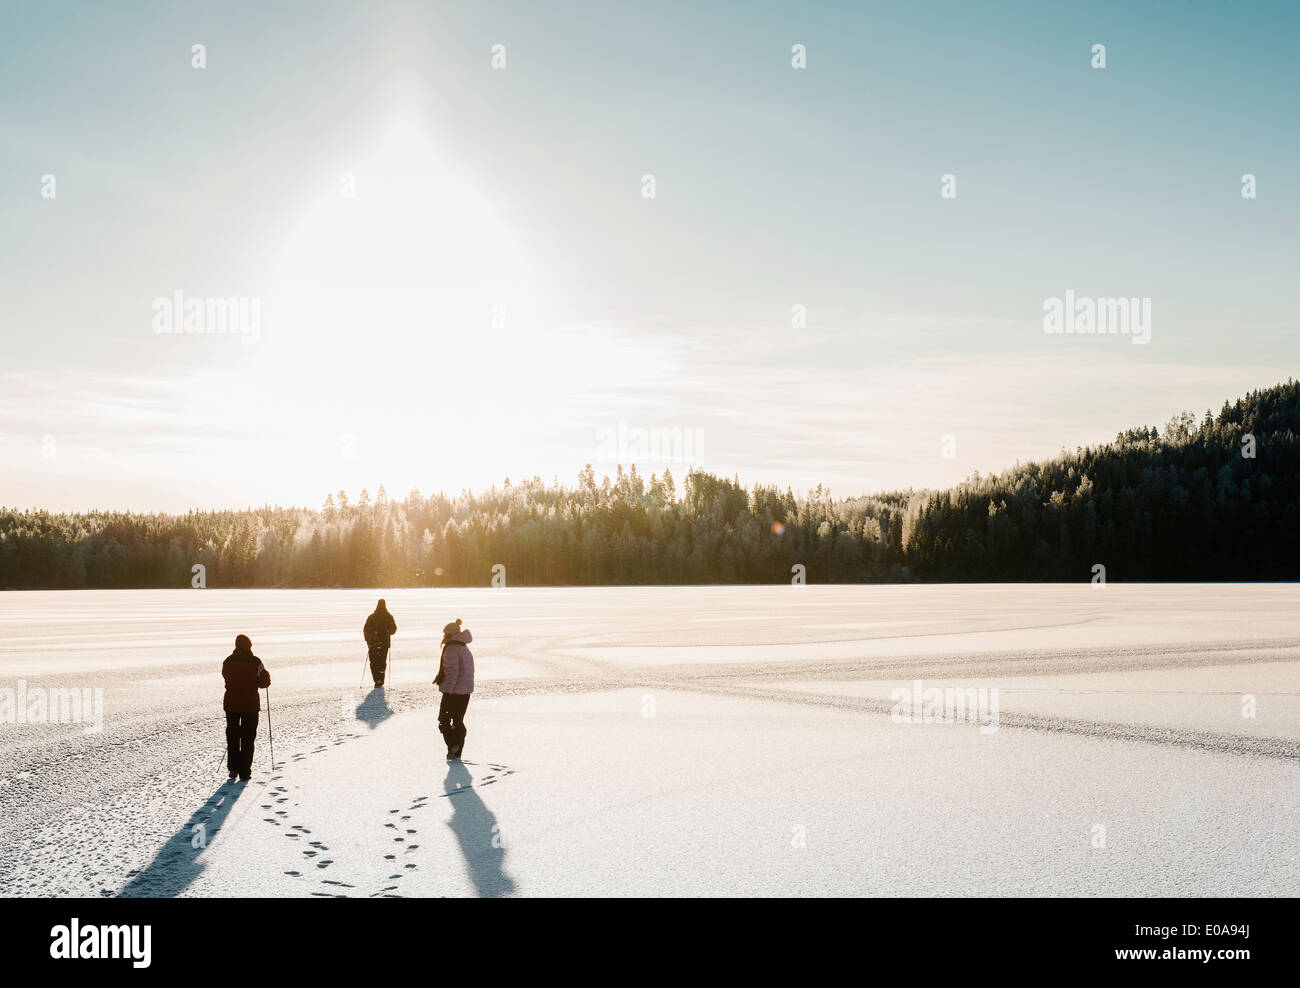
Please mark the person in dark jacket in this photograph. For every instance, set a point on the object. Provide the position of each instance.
(379, 630)
(455, 680)
(244, 675)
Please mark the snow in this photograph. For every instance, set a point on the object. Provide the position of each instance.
(666, 741)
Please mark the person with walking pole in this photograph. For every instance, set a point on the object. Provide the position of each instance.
(244, 675)
(378, 631)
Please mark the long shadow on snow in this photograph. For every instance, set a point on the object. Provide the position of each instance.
(475, 827)
(177, 863)
(374, 709)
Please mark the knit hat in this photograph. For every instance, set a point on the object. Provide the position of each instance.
(242, 642)
(451, 630)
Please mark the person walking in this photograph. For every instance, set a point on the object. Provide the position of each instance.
(455, 680)
(379, 630)
(244, 675)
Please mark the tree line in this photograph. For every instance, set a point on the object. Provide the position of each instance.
(1218, 500)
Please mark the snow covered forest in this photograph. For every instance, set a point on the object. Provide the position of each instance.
(1218, 500)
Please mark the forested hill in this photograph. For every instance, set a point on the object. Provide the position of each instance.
(1214, 501)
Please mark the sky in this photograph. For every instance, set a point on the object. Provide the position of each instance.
(453, 272)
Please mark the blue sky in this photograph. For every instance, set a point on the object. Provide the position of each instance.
(522, 187)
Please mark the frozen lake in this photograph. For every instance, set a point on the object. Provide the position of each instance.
(673, 741)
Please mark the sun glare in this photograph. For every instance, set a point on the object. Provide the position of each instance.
(407, 310)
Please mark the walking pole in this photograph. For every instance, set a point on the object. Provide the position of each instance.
(225, 756)
(270, 732)
(389, 673)
(364, 663)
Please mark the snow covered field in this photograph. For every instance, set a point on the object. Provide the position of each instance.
(683, 741)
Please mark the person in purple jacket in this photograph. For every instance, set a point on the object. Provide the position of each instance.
(456, 681)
